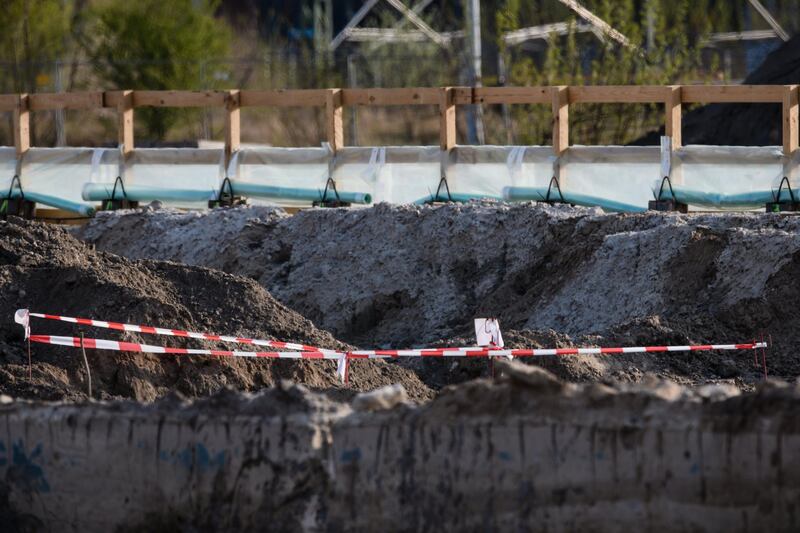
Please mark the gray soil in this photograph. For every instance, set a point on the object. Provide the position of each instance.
(400, 276)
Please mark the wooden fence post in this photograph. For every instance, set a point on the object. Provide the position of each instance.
(560, 103)
(447, 118)
(333, 118)
(790, 120)
(125, 122)
(233, 135)
(673, 116)
(22, 126)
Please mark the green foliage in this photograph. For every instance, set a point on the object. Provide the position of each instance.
(32, 34)
(157, 44)
(578, 59)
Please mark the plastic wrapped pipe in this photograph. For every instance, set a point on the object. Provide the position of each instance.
(242, 188)
(58, 203)
(752, 199)
(460, 198)
(98, 192)
(520, 194)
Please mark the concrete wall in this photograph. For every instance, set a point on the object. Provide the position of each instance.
(483, 456)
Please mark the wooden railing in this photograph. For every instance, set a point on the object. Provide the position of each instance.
(559, 98)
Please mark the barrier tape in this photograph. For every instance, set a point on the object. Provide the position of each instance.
(102, 344)
(134, 328)
(302, 351)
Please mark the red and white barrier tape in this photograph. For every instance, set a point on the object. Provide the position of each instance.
(133, 328)
(102, 344)
(500, 352)
(122, 346)
(301, 351)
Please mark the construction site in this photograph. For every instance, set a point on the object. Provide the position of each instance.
(524, 307)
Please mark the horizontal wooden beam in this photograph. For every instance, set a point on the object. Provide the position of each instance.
(284, 98)
(77, 100)
(390, 97)
(618, 94)
(691, 94)
(511, 95)
(405, 96)
(179, 98)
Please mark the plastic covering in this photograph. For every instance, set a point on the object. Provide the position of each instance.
(60, 173)
(8, 168)
(617, 178)
(289, 168)
(198, 172)
(396, 174)
(486, 171)
(732, 177)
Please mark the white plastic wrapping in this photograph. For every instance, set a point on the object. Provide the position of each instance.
(190, 169)
(730, 177)
(395, 174)
(304, 168)
(485, 171)
(61, 172)
(620, 174)
(8, 168)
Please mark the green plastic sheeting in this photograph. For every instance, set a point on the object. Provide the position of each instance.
(521, 194)
(98, 192)
(243, 188)
(752, 199)
(54, 201)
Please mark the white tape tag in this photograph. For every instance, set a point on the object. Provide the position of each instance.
(487, 332)
(341, 368)
(23, 318)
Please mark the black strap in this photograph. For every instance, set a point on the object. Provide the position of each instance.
(329, 185)
(554, 180)
(4, 204)
(439, 188)
(661, 189)
(777, 196)
(221, 196)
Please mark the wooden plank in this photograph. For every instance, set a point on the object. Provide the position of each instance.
(232, 125)
(691, 94)
(125, 121)
(673, 116)
(333, 119)
(512, 95)
(620, 94)
(447, 118)
(179, 98)
(283, 98)
(463, 95)
(391, 97)
(791, 113)
(22, 125)
(78, 100)
(560, 104)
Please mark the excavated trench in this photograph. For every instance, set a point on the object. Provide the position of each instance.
(606, 444)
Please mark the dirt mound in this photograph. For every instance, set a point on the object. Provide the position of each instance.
(411, 275)
(45, 269)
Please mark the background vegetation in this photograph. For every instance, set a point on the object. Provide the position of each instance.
(61, 45)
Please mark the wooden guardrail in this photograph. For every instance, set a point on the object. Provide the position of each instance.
(559, 98)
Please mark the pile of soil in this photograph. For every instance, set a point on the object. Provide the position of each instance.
(403, 276)
(45, 269)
